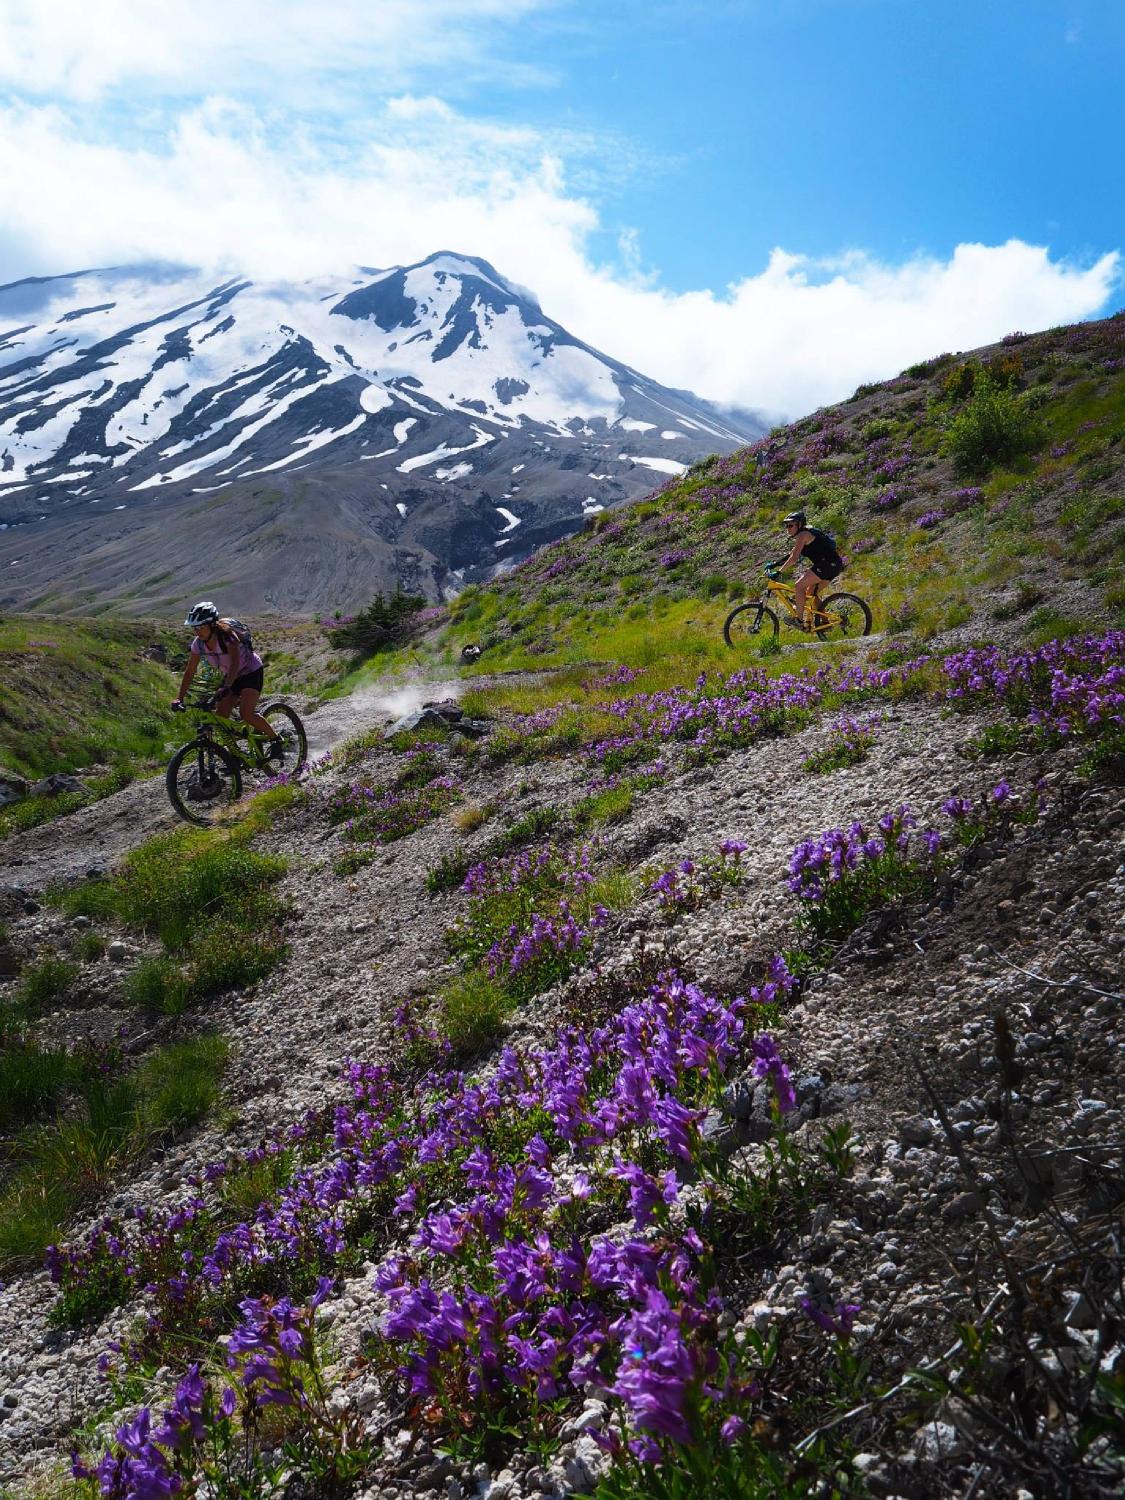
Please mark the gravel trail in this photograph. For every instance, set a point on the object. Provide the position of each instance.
(97, 836)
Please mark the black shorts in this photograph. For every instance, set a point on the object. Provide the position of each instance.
(249, 680)
(827, 572)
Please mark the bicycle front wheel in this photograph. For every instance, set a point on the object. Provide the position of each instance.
(287, 728)
(848, 615)
(747, 623)
(202, 779)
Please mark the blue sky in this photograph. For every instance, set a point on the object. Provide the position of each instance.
(879, 124)
(765, 202)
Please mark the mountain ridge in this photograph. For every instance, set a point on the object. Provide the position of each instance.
(446, 381)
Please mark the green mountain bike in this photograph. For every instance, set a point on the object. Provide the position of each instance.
(205, 775)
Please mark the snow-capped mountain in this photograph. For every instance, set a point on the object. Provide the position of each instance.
(309, 441)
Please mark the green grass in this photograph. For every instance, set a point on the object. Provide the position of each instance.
(208, 897)
(56, 1168)
(473, 1009)
(603, 809)
(107, 703)
(44, 982)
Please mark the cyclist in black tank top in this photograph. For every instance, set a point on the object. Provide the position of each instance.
(819, 551)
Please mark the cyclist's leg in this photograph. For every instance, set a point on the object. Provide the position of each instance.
(247, 712)
(807, 584)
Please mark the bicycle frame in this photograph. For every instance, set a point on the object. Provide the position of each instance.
(784, 593)
(228, 732)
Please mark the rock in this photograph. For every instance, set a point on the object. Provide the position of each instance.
(423, 718)
(738, 1098)
(81, 923)
(117, 951)
(10, 963)
(56, 784)
(917, 1131)
(965, 1205)
(12, 788)
(837, 1096)
(1082, 1314)
(938, 1440)
(448, 708)
(473, 728)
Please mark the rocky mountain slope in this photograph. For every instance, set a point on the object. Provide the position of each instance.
(969, 491)
(965, 1027)
(707, 1081)
(160, 434)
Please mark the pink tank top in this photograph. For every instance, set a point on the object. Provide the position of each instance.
(249, 660)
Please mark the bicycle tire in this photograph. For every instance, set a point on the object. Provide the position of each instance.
(746, 621)
(852, 611)
(291, 732)
(212, 772)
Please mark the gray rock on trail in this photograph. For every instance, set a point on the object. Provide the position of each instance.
(12, 789)
(56, 784)
(421, 718)
(443, 715)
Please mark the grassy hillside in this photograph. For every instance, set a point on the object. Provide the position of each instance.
(969, 490)
(76, 693)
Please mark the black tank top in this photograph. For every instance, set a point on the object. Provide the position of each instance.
(821, 551)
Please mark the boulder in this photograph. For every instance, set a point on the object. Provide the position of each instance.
(56, 784)
(12, 788)
(472, 728)
(449, 709)
(423, 718)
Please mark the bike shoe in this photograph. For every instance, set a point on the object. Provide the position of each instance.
(795, 624)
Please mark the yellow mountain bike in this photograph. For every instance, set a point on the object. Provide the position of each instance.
(205, 775)
(837, 615)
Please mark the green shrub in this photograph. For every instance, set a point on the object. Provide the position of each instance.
(180, 1084)
(44, 982)
(32, 1079)
(473, 1009)
(997, 739)
(230, 957)
(448, 873)
(382, 623)
(961, 381)
(526, 830)
(994, 427)
(158, 984)
(1106, 760)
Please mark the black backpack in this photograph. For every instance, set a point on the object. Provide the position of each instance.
(240, 632)
(816, 531)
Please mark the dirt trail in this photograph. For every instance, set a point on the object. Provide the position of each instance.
(97, 836)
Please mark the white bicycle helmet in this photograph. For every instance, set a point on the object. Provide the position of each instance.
(203, 613)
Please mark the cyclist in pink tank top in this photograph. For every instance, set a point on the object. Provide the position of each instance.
(219, 645)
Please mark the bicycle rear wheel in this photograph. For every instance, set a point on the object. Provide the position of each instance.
(853, 616)
(202, 779)
(288, 728)
(747, 623)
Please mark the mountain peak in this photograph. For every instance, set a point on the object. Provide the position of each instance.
(470, 425)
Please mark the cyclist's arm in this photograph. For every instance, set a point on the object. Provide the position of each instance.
(798, 547)
(189, 673)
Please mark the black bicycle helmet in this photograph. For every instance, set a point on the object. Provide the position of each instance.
(203, 613)
(796, 517)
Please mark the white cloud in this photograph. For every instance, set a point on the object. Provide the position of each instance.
(82, 49)
(223, 187)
